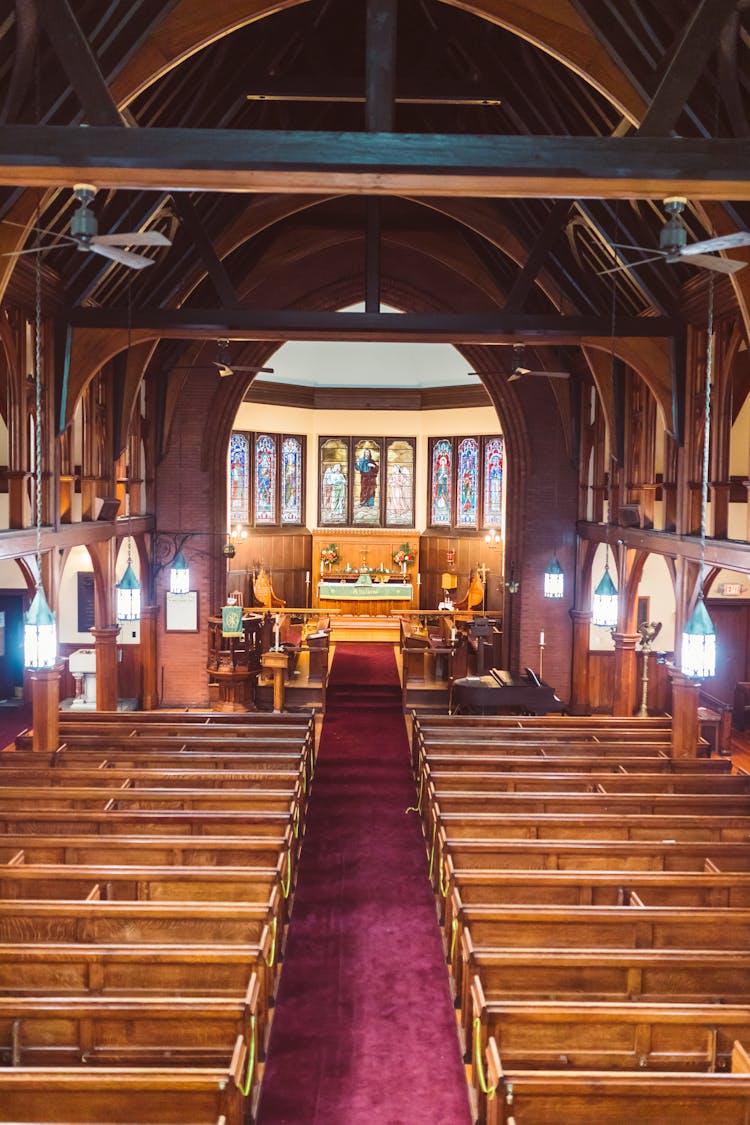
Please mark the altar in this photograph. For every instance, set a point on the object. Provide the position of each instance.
(364, 596)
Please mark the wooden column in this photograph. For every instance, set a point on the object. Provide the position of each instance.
(685, 729)
(105, 641)
(149, 679)
(626, 673)
(45, 708)
(580, 696)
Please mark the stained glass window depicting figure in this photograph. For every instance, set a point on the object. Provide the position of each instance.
(493, 482)
(368, 470)
(239, 479)
(265, 479)
(291, 481)
(441, 483)
(399, 485)
(467, 481)
(334, 481)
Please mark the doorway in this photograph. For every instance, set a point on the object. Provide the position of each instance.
(11, 644)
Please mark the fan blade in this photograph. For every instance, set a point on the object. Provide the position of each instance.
(134, 261)
(627, 246)
(514, 377)
(721, 242)
(224, 370)
(256, 370)
(132, 238)
(719, 265)
(550, 374)
(631, 265)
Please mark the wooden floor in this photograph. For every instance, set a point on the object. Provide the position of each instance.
(740, 743)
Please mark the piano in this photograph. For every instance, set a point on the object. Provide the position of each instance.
(499, 692)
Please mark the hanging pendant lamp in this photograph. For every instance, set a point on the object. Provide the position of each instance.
(179, 575)
(604, 609)
(128, 595)
(554, 580)
(39, 628)
(698, 658)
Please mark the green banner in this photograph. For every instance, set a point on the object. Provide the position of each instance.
(231, 621)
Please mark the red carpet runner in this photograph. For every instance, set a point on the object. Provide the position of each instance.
(364, 1031)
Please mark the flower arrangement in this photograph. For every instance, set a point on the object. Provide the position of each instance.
(404, 554)
(330, 554)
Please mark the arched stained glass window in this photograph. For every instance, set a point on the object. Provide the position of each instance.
(265, 479)
(493, 482)
(467, 481)
(239, 479)
(441, 478)
(291, 481)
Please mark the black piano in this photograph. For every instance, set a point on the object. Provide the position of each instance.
(501, 693)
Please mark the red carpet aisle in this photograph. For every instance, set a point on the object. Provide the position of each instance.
(364, 1031)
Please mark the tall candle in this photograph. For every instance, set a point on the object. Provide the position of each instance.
(321, 568)
(541, 638)
(307, 577)
(419, 579)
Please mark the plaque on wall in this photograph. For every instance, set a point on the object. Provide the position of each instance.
(181, 614)
(86, 614)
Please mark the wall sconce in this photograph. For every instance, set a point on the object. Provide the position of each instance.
(493, 538)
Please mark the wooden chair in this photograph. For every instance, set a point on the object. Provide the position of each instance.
(263, 592)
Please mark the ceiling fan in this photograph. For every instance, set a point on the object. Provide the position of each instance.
(84, 235)
(674, 246)
(519, 370)
(224, 363)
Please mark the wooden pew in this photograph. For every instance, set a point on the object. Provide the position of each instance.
(550, 781)
(659, 976)
(580, 1098)
(138, 778)
(150, 822)
(556, 804)
(500, 855)
(494, 927)
(133, 1096)
(190, 851)
(138, 883)
(123, 1031)
(440, 762)
(556, 1035)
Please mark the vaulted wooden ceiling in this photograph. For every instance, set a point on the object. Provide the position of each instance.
(652, 90)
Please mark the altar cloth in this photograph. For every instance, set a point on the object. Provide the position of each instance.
(378, 591)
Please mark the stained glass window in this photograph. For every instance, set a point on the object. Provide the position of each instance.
(265, 479)
(367, 476)
(441, 480)
(334, 481)
(399, 497)
(467, 482)
(291, 481)
(239, 479)
(493, 482)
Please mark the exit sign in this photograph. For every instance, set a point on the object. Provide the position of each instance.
(732, 589)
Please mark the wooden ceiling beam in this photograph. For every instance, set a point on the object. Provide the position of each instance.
(265, 324)
(79, 63)
(375, 163)
(688, 63)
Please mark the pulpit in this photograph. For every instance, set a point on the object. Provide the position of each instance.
(234, 662)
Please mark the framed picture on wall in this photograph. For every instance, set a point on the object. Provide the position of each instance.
(181, 612)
